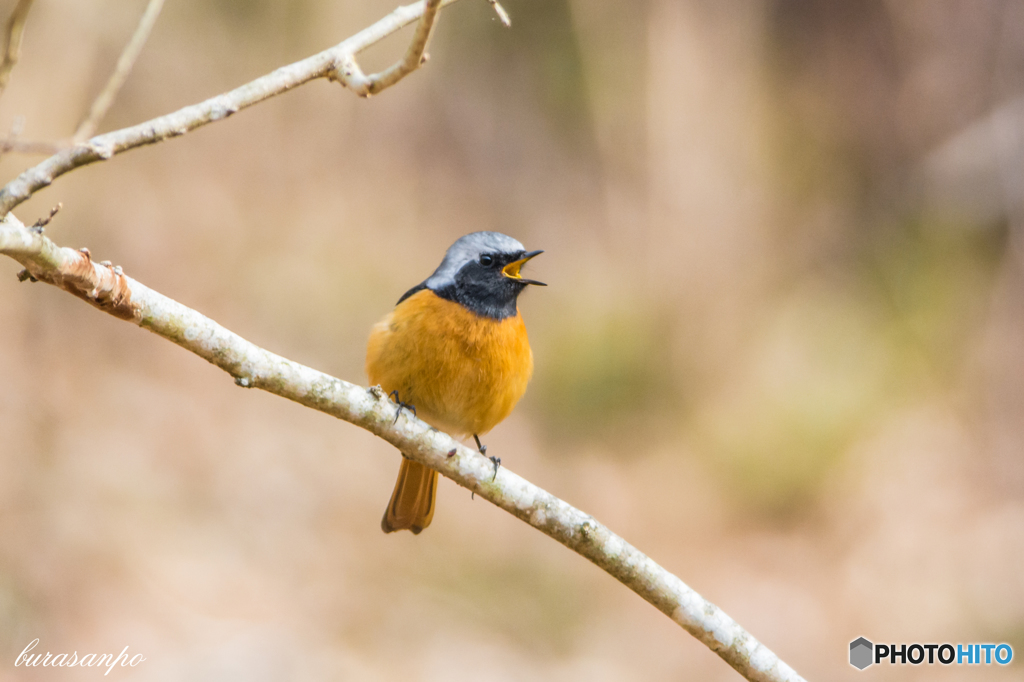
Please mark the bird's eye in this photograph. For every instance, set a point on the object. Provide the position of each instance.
(486, 260)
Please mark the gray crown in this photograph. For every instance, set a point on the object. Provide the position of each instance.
(469, 248)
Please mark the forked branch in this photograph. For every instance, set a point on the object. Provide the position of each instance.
(106, 146)
(351, 76)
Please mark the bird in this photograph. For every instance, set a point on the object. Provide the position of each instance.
(454, 351)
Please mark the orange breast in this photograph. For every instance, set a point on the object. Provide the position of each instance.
(463, 372)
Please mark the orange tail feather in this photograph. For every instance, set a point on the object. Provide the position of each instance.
(412, 503)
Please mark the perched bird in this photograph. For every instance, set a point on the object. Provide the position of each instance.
(455, 350)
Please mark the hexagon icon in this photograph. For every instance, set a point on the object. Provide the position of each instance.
(861, 653)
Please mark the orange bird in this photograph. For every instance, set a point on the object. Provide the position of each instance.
(455, 350)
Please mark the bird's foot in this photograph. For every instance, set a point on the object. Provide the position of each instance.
(401, 406)
(496, 461)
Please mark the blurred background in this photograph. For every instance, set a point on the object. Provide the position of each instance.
(782, 349)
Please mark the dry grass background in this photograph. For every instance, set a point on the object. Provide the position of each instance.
(782, 349)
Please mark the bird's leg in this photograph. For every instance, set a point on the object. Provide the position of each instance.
(496, 461)
(401, 406)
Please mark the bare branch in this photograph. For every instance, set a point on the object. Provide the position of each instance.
(110, 290)
(124, 66)
(106, 146)
(15, 30)
(350, 75)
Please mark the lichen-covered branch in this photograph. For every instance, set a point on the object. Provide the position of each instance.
(121, 70)
(103, 286)
(15, 30)
(107, 288)
(103, 147)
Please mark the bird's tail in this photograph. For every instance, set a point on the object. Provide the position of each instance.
(412, 503)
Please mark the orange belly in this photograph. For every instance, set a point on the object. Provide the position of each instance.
(463, 372)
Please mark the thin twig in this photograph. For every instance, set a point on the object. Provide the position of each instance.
(350, 75)
(502, 14)
(124, 66)
(38, 225)
(109, 289)
(15, 30)
(108, 145)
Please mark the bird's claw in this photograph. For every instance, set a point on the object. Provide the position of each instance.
(401, 406)
(496, 461)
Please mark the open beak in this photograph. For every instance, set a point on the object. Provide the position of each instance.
(512, 269)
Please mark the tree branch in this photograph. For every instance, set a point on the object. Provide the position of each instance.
(326, 64)
(351, 76)
(124, 66)
(15, 30)
(109, 289)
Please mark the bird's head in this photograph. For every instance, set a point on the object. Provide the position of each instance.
(482, 271)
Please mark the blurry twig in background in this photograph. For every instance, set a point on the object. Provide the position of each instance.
(15, 30)
(351, 76)
(103, 147)
(110, 290)
(13, 144)
(124, 66)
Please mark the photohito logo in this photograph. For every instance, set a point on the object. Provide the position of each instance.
(863, 653)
